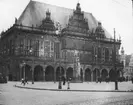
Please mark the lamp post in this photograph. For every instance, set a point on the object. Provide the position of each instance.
(96, 65)
(116, 82)
(24, 68)
(59, 34)
(31, 51)
(75, 64)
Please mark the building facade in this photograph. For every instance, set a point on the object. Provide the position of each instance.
(49, 41)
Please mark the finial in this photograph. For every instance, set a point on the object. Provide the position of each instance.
(15, 20)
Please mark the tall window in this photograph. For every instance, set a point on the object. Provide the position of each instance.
(21, 44)
(41, 49)
(36, 53)
(106, 54)
(52, 49)
(103, 54)
(46, 48)
(99, 53)
(57, 50)
(11, 47)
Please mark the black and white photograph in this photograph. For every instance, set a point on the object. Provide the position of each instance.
(66, 52)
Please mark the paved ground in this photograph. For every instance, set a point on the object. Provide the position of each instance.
(122, 86)
(10, 95)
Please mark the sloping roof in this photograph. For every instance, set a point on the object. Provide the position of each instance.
(35, 12)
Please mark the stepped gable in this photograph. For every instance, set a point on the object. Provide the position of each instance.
(35, 12)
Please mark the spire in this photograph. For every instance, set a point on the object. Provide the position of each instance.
(122, 50)
(15, 20)
(48, 14)
(78, 7)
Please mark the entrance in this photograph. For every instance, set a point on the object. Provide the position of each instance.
(49, 73)
(38, 73)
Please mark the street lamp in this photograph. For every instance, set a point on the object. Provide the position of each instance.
(116, 81)
(58, 32)
(23, 64)
(31, 51)
(96, 69)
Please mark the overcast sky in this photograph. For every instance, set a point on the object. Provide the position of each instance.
(112, 13)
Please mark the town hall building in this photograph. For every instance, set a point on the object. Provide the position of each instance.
(49, 41)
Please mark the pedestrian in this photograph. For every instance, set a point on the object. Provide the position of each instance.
(64, 80)
(68, 83)
(23, 81)
(26, 80)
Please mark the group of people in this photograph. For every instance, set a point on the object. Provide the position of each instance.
(64, 81)
(24, 81)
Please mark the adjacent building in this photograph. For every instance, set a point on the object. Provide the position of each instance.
(48, 41)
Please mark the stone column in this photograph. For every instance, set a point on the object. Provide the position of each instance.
(32, 73)
(65, 72)
(83, 75)
(43, 74)
(54, 74)
(92, 76)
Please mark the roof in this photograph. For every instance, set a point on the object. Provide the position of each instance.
(35, 12)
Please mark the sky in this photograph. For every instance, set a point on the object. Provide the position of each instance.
(111, 13)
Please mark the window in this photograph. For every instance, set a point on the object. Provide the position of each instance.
(57, 50)
(106, 54)
(21, 44)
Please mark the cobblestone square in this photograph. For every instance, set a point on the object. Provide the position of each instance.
(10, 95)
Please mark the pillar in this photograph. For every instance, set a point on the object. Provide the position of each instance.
(43, 74)
(65, 72)
(92, 76)
(83, 75)
(32, 71)
(54, 74)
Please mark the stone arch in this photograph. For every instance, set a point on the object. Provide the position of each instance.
(59, 72)
(87, 74)
(104, 74)
(112, 75)
(49, 73)
(69, 73)
(96, 74)
(38, 73)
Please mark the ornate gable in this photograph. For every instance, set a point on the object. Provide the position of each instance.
(47, 23)
(77, 23)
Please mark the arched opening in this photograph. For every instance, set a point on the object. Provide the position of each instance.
(87, 74)
(69, 73)
(59, 72)
(49, 73)
(96, 74)
(38, 73)
(112, 75)
(27, 70)
(104, 74)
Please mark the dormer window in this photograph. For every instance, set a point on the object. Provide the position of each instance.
(99, 31)
(47, 23)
